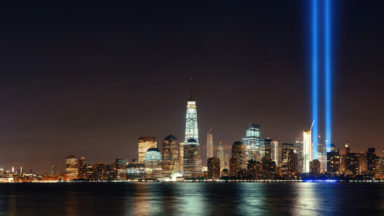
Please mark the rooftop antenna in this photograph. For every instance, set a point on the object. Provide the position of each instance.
(191, 88)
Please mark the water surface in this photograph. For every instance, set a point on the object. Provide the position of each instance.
(92, 199)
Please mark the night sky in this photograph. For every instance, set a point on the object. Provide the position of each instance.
(89, 78)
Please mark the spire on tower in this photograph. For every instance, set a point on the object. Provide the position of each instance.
(191, 88)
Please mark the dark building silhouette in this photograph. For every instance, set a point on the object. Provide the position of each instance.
(333, 161)
(213, 168)
(314, 167)
(268, 167)
(371, 158)
(238, 162)
(254, 169)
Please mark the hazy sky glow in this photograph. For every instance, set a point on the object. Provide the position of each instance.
(90, 78)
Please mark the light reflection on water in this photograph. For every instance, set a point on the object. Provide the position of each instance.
(191, 199)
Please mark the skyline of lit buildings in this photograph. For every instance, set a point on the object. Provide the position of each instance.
(253, 158)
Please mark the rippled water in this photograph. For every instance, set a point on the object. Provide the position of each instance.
(86, 199)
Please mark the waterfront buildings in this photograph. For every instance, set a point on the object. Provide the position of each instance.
(220, 155)
(333, 161)
(315, 167)
(275, 151)
(145, 143)
(152, 163)
(209, 144)
(71, 168)
(252, 142)
(238, 162)
(307, 150)
(213, 168)
(192, 161)
(53, 169)
(299, 147)
(171, 156)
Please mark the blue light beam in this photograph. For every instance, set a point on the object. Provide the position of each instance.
(315, 112)
(328, 80)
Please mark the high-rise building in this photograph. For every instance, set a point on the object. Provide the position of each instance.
(286, 148)
(255, 169)
(379, 168)
(152, 163)
(226, 161)
(171, 156)
(209, 144)
(307, 151)
(292, 163)
(192, 160)
(252, 142)
(315, 167)
(82, 168)
(119, 169)
(322, 156)
(333, 161)
(145, 143)
(275, 151)
(191, 126)
(220, 155)
(352, 166)
(266, 149)
(71, 168)
(371, 158)
(53, 169)
(238, 162)
(299, 147)
(213, 168)
(362, 163)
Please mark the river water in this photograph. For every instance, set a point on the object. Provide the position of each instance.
(91, 199)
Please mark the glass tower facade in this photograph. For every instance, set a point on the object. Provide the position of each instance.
(191, 129)
(252, 142)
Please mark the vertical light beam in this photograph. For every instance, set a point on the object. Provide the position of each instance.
(328, 81)
(315, 112)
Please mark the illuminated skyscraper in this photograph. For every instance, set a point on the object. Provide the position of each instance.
(191, 126)
(209, 144)
(275, 151)
(299, 150)
(252, 142)
(152, 163)
(192, 159)
(307, 150)
(171, 156)
(53, 169)
(220, 155)
(71, 168)
(145, 143)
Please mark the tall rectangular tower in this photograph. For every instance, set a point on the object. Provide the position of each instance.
(307, 150)
(144, 144)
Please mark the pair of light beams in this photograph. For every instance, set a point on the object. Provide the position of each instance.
(318, 31)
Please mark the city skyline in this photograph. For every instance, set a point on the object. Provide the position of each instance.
(94, 93)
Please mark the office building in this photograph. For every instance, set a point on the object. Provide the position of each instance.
(213, 168)
(307, 151)
(252, 142)
(71, 168)
(171, 156)
(238, 162)
(145, 143)
(220, 155)
(209, 144)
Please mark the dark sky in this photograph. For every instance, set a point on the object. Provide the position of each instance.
(89, 78)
